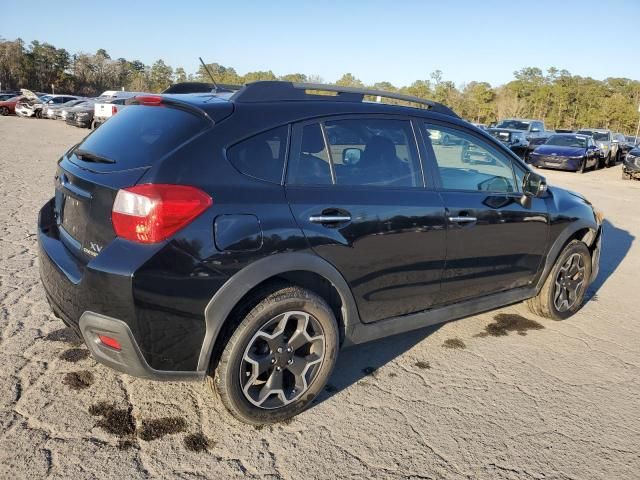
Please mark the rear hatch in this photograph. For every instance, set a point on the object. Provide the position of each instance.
(112, 157)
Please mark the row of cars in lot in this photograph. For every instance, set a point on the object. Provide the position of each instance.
(579, 150)
(84, 112)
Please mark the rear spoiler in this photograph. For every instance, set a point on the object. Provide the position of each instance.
(159, 99)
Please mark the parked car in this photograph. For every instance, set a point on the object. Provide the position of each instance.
(512, 139)
(567, 151)
(631, 164)
(8, 107)
(624, 146)
(535, 131)
(609, 152)
(81, 115)
(228, 234)
(54, 111)
(200, 87)
(104, 110)
(32, 105)
(631, 140)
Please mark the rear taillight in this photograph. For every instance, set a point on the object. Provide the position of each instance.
(114, 109)
(151, 213)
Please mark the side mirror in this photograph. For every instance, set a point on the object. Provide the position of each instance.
(351, 156)
(533, 185)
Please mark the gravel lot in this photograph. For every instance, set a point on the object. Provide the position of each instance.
(499, 395)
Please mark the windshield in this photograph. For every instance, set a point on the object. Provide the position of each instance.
(597, 136)
(514, 124)
(567, 141)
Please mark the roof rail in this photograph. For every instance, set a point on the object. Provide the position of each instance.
(274, 91)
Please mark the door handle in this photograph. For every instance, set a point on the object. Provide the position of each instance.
(329, 218)
(463, 219)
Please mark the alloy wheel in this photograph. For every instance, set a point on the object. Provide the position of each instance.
(569, 282)
(282, 359)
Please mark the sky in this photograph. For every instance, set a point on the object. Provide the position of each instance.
(397, 41)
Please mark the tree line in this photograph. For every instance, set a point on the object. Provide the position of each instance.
(561, 99)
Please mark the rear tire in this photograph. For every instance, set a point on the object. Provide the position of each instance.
(563, 291)
(4, 111)
(279, 358)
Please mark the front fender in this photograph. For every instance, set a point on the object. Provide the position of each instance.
(571, 217)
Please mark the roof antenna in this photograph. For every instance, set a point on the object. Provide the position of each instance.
(215, 85)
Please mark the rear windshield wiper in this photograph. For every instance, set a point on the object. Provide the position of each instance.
(92, 157)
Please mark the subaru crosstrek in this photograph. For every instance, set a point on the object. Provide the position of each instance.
(246, 237)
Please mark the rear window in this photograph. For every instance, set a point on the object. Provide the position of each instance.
(139, 135)
(261, 156)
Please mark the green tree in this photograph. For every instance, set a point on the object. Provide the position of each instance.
(160, 76)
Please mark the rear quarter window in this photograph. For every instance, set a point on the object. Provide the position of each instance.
(261, 156)
(140, 135)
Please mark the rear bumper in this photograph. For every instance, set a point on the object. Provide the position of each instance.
(161, 342)
(129, 358)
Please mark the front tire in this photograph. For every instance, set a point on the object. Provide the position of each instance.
(563, 291)
(279, 358)
(583, 166)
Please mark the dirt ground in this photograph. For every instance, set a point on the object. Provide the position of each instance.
(499, 395)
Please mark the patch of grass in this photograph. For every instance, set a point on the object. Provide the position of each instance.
(159, 427)
(509, 322)
(74, 355)
(455, 343)
(78, 380)
(423, 365)
(197, 442)
(116, 421)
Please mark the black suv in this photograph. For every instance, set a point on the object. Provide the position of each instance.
(245, 237)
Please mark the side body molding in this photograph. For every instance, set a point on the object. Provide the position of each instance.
(225, 299)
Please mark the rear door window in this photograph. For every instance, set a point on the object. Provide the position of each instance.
(310, 163)
(261, 156)
(140, 135)
(363, 151)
